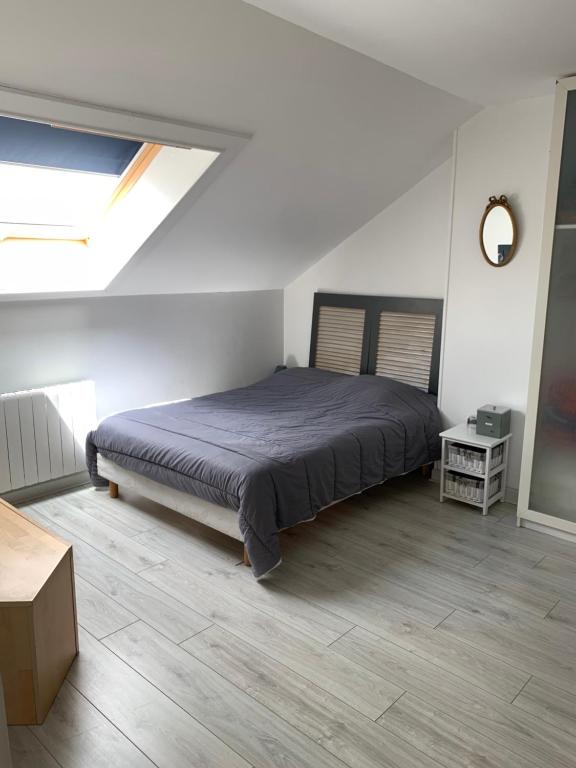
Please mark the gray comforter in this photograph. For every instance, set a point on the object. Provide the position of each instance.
(279, 450)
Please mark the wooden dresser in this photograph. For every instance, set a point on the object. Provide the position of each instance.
(5, 757)
(38, 633)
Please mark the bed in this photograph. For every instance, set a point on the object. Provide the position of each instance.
(253, 461)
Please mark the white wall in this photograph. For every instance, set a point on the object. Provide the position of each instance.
(144, 349)
(490, 311)
(335, 135)
(405, 251)
(401, 252)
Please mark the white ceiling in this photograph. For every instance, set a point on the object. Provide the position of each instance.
(486, 51)
(336, 136)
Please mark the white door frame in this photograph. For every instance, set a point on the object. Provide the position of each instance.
(524, 512)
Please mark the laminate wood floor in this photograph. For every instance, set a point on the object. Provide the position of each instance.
(398, 633)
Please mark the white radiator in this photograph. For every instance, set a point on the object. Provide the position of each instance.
(43, 433)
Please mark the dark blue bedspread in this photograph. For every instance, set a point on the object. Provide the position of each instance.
(279, 450)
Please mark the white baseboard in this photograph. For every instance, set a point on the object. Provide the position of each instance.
(511, 496)
(49, 488)
(548, 529)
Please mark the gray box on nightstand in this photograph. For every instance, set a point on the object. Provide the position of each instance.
(493, 421)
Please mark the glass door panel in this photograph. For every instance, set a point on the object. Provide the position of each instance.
(553, 482)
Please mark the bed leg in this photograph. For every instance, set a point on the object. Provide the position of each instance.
(113, 489)
(245, 558)
(426, 470)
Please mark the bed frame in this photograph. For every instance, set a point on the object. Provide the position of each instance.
(220, 518)
(381, 335)
(385, 336)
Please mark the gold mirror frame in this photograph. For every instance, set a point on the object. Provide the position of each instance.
(494, 202)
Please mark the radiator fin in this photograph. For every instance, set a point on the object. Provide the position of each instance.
(43, 433)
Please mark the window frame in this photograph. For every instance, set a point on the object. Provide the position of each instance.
(149, 129)
(124, 183)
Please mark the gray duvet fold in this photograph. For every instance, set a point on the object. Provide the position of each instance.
(279, 450)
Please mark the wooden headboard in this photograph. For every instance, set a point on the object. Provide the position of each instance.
(382, 335)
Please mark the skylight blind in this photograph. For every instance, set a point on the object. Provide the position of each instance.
(27, 143)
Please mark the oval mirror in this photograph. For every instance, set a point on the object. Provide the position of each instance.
(498, 232)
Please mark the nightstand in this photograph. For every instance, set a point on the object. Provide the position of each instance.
(474, 467)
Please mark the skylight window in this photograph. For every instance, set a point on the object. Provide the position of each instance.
(79, 198)
(47, 203)
(56, 183)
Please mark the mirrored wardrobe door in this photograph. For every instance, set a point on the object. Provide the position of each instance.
(553, 478)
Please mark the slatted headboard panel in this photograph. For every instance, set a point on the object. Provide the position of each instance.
(382, 335)
(404, 347)
(340, 339)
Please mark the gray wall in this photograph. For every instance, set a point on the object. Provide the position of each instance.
(142, 349)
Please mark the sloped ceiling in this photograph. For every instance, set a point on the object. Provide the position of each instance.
(488, 52)
(336, 136)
